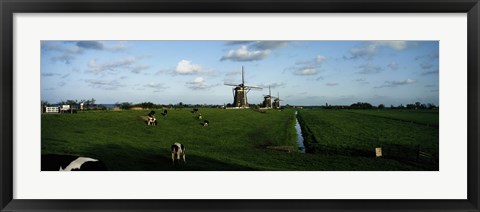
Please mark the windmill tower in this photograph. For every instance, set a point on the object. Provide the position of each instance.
(267, 99)
(240, 92)
(276, 101)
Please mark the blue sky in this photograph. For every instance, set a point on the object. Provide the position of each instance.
(194, 72)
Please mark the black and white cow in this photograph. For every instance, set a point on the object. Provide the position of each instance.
(165, 113)
(178, 151)
(51, 162)
(152, 121)
(151, 114)
(205, 123)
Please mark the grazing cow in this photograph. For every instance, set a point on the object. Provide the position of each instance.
(195, 110)
(151, 114)
(205, 123)
(152, 121)
(51, 162)
(165, 112)
(178, 151)
(199, 116)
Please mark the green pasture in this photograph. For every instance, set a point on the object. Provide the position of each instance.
(235, 140)
(426, 117)
(403, 134)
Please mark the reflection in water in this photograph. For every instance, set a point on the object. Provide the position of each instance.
(301, 146)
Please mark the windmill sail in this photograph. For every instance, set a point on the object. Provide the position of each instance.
(267, 101)
(240, 91)
(276, 101)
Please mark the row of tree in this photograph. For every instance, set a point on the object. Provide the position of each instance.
(91, 104)
(151, 105)
(414, 106)
(366, 105)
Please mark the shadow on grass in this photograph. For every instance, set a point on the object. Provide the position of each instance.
(130, 158)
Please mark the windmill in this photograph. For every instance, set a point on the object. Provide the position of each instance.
(240, 92)
(276, 101)
(267, 101)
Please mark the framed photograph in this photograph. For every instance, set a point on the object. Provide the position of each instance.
(255, 106)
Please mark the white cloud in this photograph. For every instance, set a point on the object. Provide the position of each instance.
(365, 51)
(393, 65)
(199, 83)
(65, 53)
(308, 67)
(99, 45)
(90, 45)
(320, 59)
(369, 68)
(273, 85)
(68, 50)
(128, 63)
(104, 84)
(428, 57)
(259, 45)
(252, 50)
(372, 48)
(435, 71)
(139, 68)
(306, 71)
(269, 45)
(426, 65)
(199, 80)
(362, 81)
(317, 61)
(243, 54)
(397, 45)
(123, 63)
(156, 86)
(332, 84)
(396, 83)
(186, 67)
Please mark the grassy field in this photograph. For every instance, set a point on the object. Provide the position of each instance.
(426, 117)
(234, 140)
(402, 135)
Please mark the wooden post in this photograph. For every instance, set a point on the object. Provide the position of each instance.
(378, 152)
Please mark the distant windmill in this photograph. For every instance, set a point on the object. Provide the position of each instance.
(276, 101)
(267, 101)
(240, 92)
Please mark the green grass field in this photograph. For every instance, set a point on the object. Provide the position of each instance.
(401, 134)
(234, 140)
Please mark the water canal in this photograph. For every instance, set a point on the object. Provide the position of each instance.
(300, 144)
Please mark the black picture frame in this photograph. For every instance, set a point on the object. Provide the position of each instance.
(9, 7)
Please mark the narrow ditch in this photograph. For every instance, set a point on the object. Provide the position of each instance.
(301, 145)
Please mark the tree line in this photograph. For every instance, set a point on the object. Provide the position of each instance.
(90, 104)
(366, 105)
(151, 105)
